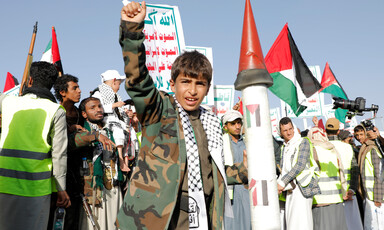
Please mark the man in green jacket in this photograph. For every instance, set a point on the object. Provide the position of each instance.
(179, 181)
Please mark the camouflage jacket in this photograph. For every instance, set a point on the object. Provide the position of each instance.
(155, 185)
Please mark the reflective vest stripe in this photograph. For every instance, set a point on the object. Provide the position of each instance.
(328, 179)
(25, 175)
(331, 192)
(23, 154)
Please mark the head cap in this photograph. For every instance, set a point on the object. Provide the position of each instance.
(231, 115)
(110, 75)
(332, 124)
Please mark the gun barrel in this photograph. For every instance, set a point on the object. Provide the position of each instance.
(88, 211)
(29, 60)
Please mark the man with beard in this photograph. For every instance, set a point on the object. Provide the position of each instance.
(101, 186)
(115, 118)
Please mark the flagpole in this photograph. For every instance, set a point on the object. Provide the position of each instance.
(253, 80)
(29, 60)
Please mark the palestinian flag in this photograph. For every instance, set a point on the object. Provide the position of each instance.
(293, 82)
(52, 54)
(10, 82)
(329, 84)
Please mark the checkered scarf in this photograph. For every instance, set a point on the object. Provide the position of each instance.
(108, 97)
(211, 124)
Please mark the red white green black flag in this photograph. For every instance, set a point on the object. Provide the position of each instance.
(329, 84)
(293, 82)
(52, 54)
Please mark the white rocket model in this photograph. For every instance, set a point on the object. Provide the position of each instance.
(253, 80)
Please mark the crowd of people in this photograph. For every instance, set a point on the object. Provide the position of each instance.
(162, 161)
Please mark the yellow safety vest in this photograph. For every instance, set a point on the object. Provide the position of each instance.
(369, 173)
(346, 153)
(25, 162)
(310, 171)
(329, 181)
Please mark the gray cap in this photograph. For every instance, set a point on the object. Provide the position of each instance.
(231, 115)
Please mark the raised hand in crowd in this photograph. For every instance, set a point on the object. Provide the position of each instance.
(315, 121)
(134, 12)
(237, 106)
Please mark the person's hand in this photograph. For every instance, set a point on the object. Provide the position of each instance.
(106, 142)
(349, 195)
(315, 121)
(377, 204)
(118, 104)
(280, 188)
(63, 199)
(134, 12)
(372, 135)
(74, 128)
(237, 106)
(245, 159)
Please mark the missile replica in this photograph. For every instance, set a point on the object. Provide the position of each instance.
(253, 80)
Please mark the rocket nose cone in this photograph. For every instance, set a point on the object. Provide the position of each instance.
(251, 54)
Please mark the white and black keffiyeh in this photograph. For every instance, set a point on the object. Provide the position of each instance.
(211, 124)
(110, 97)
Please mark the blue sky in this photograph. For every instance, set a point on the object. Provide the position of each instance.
(347, 34)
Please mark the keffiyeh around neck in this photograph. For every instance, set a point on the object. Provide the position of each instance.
(211, 124)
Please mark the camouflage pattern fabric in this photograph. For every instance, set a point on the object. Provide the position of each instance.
(153, 190)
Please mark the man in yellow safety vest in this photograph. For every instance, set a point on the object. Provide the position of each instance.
(372, 186)
(33, 152)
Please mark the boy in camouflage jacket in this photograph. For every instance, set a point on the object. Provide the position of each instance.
(157, 191)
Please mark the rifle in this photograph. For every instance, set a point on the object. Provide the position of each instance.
(29, 61)
(88, 211)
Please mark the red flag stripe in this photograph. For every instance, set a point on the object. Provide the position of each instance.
(328, 77)
(279, 57)
(9, 82)
(55, 47)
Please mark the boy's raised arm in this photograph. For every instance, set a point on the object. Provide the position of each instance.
(134, 12)
(139, 85)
